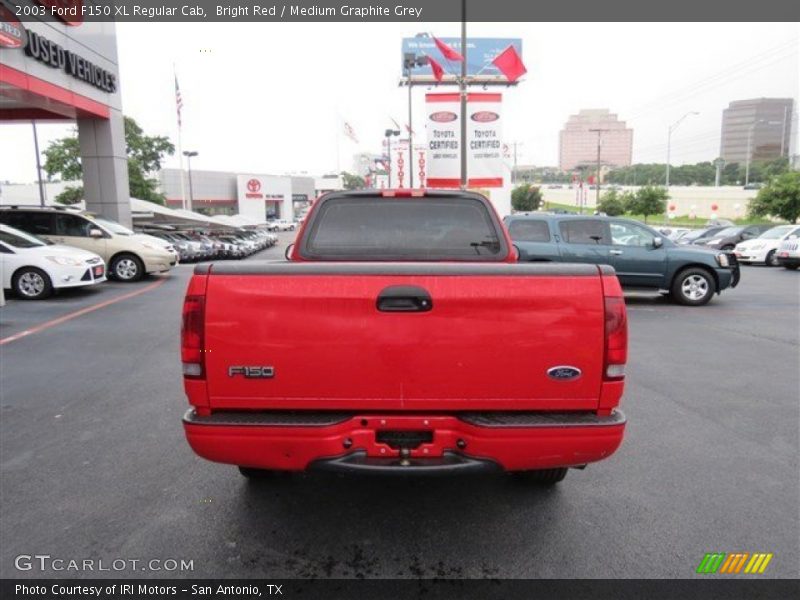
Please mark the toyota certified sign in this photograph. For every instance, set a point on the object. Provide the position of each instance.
(484, 116)
(12, 33)
(254, 185)
(443, 116)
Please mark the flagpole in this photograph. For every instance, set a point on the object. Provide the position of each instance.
(180, 144)
(462, 84)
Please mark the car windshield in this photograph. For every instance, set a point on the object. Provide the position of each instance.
(776, 232)
(113, 226)
(19, 239)
(728, 231)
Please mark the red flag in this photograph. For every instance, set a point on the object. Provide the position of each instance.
(447, 51)
(438, 71)
(510, 64)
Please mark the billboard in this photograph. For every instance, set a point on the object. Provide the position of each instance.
(485, 166)
(480, 52)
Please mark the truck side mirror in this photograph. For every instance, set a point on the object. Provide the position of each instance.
(658, 242)
(288, 252)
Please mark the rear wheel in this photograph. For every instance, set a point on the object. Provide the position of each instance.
(543, 476)
(693, 287)
(772, 259)
(31, 283)
(127, 267)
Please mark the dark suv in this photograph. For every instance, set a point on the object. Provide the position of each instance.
(642, 258)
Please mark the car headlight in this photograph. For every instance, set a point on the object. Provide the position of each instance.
(65, 261)
(723, 261)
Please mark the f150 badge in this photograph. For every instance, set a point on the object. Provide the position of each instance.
(563, 373)
(254, 372)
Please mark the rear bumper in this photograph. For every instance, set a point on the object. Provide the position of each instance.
(511, 441)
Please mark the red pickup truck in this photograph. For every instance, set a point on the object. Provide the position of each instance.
(402, 336)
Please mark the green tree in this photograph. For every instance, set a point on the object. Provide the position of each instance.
(648, 200)
(351, 181)
(612, 204)
(526, 197)
(63, 157)
(145, 153)
(72, 194)
(780, 198)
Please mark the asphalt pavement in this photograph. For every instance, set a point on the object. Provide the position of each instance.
(94, 464)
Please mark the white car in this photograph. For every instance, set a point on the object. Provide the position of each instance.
(789, 253)
(764, 248)
(34, 269)
(284, 225)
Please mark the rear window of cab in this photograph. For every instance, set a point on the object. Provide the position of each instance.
(381, 228)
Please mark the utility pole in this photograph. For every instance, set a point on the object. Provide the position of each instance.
(597, 176)
(462, 85)
(783, 130)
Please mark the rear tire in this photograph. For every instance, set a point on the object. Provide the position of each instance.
(772, 259)
(543, 476)
(30, 283)
(693, 287)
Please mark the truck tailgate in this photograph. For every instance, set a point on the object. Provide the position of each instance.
(487, 341)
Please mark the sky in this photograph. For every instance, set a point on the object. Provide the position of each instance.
(271, 97)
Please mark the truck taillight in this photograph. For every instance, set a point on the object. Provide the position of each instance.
(192, 330)
(616, 338)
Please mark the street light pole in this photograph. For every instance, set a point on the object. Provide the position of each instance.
(389, 133)
(599, 133)
(38, 164)
(672, 128)
(189, 154)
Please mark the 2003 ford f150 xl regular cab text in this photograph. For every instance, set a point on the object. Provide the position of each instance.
(401, 336)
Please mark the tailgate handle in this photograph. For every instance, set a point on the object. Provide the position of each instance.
(404, 298)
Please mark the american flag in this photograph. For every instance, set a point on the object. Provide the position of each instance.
(178, 100)
(350, 132)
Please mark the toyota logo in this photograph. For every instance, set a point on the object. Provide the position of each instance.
(253, 185)
(443, 116)
(485, 116)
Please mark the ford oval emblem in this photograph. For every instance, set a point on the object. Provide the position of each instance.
(563, 373)
(443, 116)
